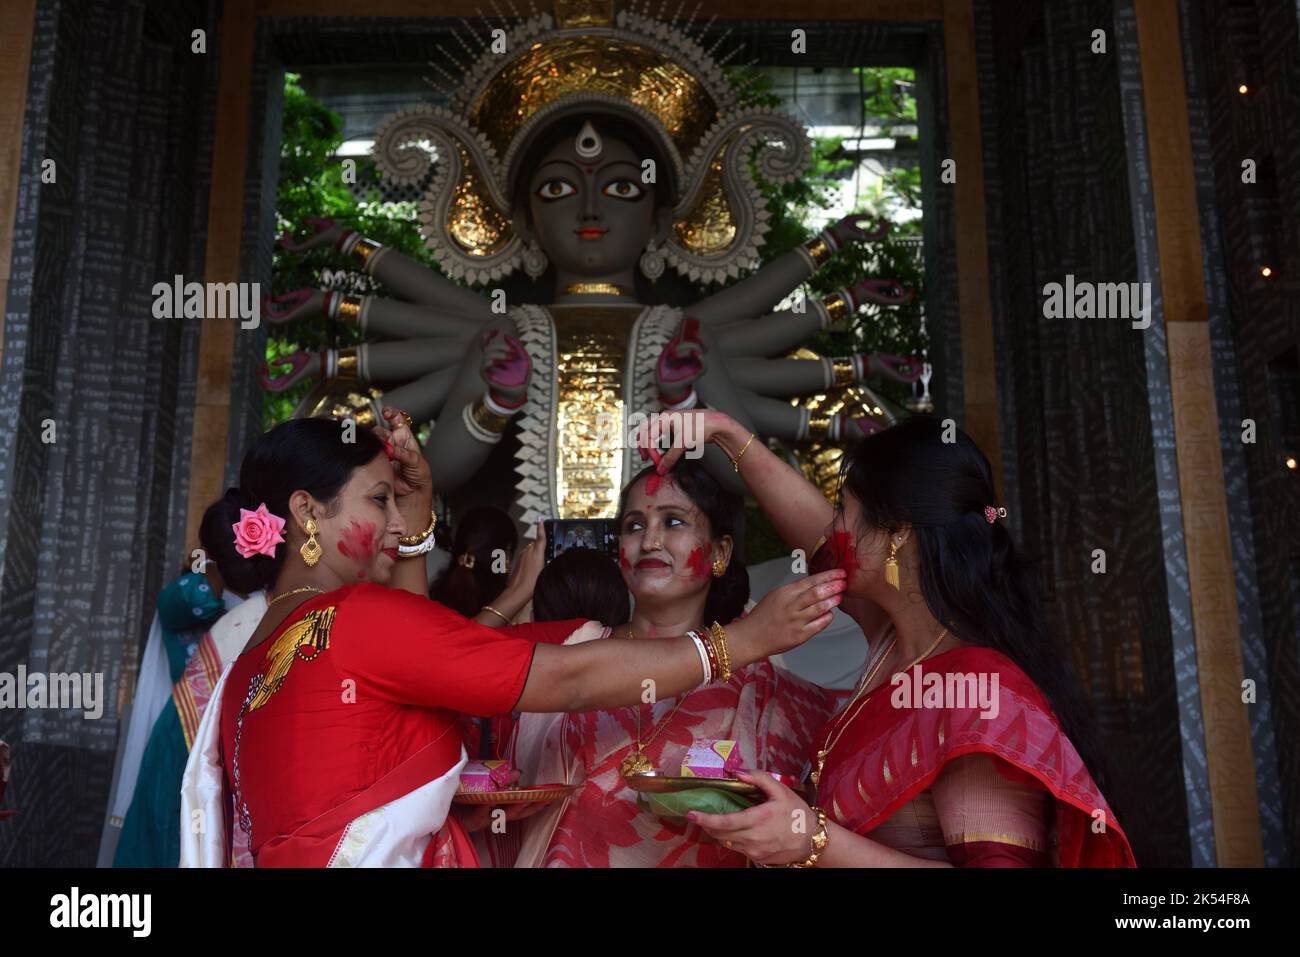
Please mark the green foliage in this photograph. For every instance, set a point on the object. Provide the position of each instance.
(798, 209)
(311, 184)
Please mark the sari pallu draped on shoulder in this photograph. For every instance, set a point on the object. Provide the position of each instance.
(890, 754)
(335, 743)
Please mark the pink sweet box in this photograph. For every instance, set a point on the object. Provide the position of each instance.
(712, 758)
(479, 776)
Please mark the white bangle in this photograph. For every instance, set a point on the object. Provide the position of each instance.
(704, 657)
(411, 551)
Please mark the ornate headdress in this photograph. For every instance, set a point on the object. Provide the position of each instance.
(586, 61)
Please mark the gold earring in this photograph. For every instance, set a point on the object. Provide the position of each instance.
(891, 566)
(310, 550)
(719, 568)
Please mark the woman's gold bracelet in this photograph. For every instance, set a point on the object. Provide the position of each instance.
(420, 539)
(718, 638)
(735, 463)
(497, 613)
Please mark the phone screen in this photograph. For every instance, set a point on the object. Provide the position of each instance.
(600, 534)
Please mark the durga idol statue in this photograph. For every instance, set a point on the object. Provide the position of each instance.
(596, 146)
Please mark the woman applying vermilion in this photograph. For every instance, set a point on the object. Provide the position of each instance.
(934, 780)
(333, 739)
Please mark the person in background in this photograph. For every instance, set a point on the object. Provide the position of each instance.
(482, 552)
(581, 583)
(186, 608)
(150, 837)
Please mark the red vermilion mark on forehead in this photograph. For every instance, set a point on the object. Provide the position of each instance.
(652, 483)
(589, 169)
(839, 551)
(622, 559)
(699, 563)
(358, 541)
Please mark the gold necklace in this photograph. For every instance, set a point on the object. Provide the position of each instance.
(839, 726)
(637, 762)
(596, 289)
(296, 591)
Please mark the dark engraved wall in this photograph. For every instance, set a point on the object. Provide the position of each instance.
(1258, 224)
(93, 520)
(1075, 406)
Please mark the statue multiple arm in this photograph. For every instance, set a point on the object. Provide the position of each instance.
(457, 361)
(722, 360)
(449, 357)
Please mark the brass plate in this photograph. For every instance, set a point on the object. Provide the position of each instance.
(537, 794)
(666, 784)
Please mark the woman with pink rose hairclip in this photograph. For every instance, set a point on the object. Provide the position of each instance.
(343, 708)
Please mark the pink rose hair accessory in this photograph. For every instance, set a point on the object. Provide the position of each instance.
(992, 514)
(257, 532)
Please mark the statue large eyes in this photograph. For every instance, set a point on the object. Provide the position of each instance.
(556, 189)
(623, 189)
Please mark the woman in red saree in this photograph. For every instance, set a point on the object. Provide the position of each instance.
(333, 739)
(966, 742)
(676, 541)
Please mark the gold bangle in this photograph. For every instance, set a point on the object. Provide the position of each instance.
(842, 373)
(819, 427)
(818, 250)
(486, 419)
(349, 309)
(735, 463)
(837, 307)
(497, 613)
(419, 539)
(364, 249)
(718, 634)
(819, 841)
(348, 364)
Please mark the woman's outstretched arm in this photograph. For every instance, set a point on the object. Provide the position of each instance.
(616, 672)
(794, 506)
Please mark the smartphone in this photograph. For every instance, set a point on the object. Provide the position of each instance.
(600, 534)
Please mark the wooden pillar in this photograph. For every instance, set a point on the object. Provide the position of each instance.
(1229, 754)
(974, 302)
(221, 263)
(15, 61)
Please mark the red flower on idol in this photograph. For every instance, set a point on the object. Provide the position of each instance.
(257, 532)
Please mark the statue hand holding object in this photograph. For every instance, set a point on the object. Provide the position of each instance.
(302, 365)
(298, 304)
(327, 233)
(505, 367)
(680, 364)
(848, 230)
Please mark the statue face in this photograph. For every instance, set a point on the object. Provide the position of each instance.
(592, 214)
